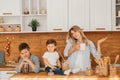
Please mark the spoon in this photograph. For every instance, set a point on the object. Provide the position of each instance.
(116, 59)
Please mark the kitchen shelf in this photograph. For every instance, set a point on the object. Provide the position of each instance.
(22, 12)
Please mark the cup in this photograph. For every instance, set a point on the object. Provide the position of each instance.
(82, 46)
(113, 70)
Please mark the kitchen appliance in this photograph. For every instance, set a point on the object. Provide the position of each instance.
(2, 58)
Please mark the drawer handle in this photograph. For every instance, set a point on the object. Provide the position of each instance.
(100, 28)
(117, 28)
(57, 29)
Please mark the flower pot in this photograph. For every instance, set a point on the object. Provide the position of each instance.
(34, 28)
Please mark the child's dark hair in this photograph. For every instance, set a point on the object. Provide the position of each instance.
(51, 41)
(23, 46)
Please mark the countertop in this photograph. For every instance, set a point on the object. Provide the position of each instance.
(7, 68)
(78, 76)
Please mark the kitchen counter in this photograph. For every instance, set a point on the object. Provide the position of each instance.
(45, 76)
(7, 68)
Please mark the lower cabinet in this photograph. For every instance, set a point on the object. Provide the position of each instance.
(5, 75)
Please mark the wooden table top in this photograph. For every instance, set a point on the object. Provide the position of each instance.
(45, 76)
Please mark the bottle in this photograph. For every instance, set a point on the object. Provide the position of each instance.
(25, 67)
(51, 72)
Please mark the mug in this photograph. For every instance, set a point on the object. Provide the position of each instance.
(82, 46)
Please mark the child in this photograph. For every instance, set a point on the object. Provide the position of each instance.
(51, 59)
(26, 56)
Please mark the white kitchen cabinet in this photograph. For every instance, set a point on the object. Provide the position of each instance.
(10, 13)
(20, 12)
(57, 15)
(116, 15)
(79, 13)
(100, 15)
(60, 15)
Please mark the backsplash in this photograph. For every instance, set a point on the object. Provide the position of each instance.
(37, 43)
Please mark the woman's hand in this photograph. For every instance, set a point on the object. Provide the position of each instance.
(73, 48)
(99, 42)
(76, 46)
(102, 40)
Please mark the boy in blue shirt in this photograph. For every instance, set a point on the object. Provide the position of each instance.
(26, 56)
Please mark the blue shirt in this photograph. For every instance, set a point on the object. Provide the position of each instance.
(35, 61)
(80, 58)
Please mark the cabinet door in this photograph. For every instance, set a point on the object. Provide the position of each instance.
(100, 15)
(79, 13)
(10, 6)
(57, 15)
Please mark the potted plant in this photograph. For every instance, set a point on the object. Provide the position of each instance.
(34, 24)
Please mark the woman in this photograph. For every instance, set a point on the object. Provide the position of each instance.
(78, 50)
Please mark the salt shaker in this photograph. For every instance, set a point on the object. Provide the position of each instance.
(51, 72)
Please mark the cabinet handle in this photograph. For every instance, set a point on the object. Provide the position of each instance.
(82, 28)
(117, 28)
(57, 29)
(7, 13)
(100, 28)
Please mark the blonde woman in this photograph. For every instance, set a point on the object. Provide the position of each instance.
(79, 48)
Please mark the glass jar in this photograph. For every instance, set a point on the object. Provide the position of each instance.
(89, 72)
(25, 67)
(18, 29)
(2, 29)
(9, 29)
(65, 66)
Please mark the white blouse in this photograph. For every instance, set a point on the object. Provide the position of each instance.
(81, 58)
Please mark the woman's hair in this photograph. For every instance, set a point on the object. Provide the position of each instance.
(51, 41)
(24, 46)
(76, 28)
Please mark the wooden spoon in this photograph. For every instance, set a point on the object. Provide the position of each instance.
(116, 59)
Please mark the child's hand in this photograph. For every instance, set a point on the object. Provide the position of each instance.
(26, 59)
(102, 40)
(53, 68)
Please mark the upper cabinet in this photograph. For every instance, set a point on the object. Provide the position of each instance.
(10, 14)
(57, 18)
(116, 15)
(59, 15)
(10, 6)
(90, 15)
(78, 13)
(15, 15)
(100, 15)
